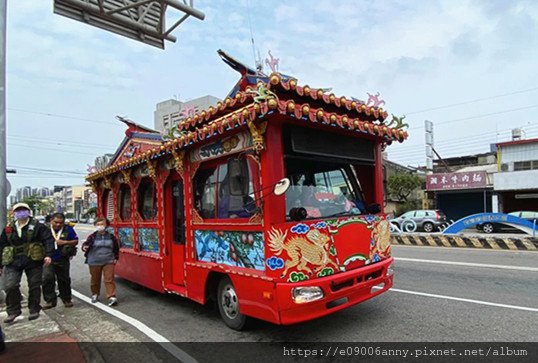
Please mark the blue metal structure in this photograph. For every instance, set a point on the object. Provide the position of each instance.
(481, 218)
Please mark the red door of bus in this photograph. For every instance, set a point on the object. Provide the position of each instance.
(175, 227)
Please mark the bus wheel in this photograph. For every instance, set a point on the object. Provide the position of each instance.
(229, 305)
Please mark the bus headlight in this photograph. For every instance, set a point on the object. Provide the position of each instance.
(306, 294)
(390, 271)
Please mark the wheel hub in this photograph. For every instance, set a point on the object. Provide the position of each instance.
(230, 303)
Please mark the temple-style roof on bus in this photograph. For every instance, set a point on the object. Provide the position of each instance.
(253, 104)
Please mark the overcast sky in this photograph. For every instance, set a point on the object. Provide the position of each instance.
(468, 66)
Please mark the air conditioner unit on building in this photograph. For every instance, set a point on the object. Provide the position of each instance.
(505, 167)
(516, 134)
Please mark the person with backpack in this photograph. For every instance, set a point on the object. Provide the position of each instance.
(25, 246)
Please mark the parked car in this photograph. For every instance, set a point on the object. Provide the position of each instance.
(426, 220)
(491, 227)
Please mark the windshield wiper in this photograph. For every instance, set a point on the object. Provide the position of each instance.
(338, 214)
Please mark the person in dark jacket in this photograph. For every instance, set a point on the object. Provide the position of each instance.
(102, 251)
(25, 246)
(66, 240)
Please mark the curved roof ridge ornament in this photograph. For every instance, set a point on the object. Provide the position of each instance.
(272, 62)
(135, 127)
(238, 66)
(249, 76)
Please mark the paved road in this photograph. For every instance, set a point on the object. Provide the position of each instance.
(399, 315)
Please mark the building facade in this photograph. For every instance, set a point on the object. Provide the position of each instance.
(169, 112)
(516, 180)
(72, 200)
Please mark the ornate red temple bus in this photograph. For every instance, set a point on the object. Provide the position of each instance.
(269, 203)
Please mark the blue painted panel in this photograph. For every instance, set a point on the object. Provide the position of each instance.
(126, 237)
(480, 218)
(242, 249)
(149, 239)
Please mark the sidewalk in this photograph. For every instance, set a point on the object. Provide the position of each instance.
(78, 334)
(24, 340)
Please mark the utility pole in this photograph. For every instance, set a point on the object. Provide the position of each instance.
(3, 139)
(428, 128)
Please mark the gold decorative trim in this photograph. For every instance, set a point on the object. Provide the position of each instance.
(196, 217)
(179, 158)
(257, 133)
(107, 182)
(257, 218)
(127, 173)
(152, 169)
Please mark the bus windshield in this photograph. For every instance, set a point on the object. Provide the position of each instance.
(323, 189)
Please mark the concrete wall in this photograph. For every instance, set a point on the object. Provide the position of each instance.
(515, 180)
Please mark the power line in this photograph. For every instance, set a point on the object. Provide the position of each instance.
(48, 170)
(57, 150)
(478, 116)
(33, 176)
(414, 149)
(63, 116)
(63, 141)
(49, 142)
(473, 101)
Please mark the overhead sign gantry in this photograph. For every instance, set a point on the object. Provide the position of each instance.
(142, 20)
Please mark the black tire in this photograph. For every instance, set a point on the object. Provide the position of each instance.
(488, 228)
(228, 303)
(428, 227)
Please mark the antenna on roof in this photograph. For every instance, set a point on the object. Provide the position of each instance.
(257, 60)
(259, 63)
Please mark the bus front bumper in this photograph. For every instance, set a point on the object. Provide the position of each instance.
(339, 292)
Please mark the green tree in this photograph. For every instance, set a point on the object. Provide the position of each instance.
(401, 185)
(37, 203)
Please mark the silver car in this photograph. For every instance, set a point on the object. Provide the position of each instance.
(426, 220)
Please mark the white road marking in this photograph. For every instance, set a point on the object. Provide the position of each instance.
(465, 300)
(504, 267)
(152, 334)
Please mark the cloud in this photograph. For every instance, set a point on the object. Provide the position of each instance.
(464, 47)
(274, 263)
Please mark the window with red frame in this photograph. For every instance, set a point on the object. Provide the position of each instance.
(147, 200)
(125, 202)
(226, 190)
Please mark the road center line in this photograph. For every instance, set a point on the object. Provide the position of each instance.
(504, 267)
(152, 334)
(465, 300)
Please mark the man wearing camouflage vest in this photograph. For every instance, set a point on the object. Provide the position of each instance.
(66, 240)
(25, 246)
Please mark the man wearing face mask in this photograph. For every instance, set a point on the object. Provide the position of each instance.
(25, 245)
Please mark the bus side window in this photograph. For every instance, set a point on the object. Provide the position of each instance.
(125, 202)
(178, 215)
(225, 190)
(205, 182)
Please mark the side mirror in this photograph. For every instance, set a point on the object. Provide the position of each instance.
(282, 186)
(373, 208)
(298, 214)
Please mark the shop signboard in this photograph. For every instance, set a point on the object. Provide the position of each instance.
(456, 181)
